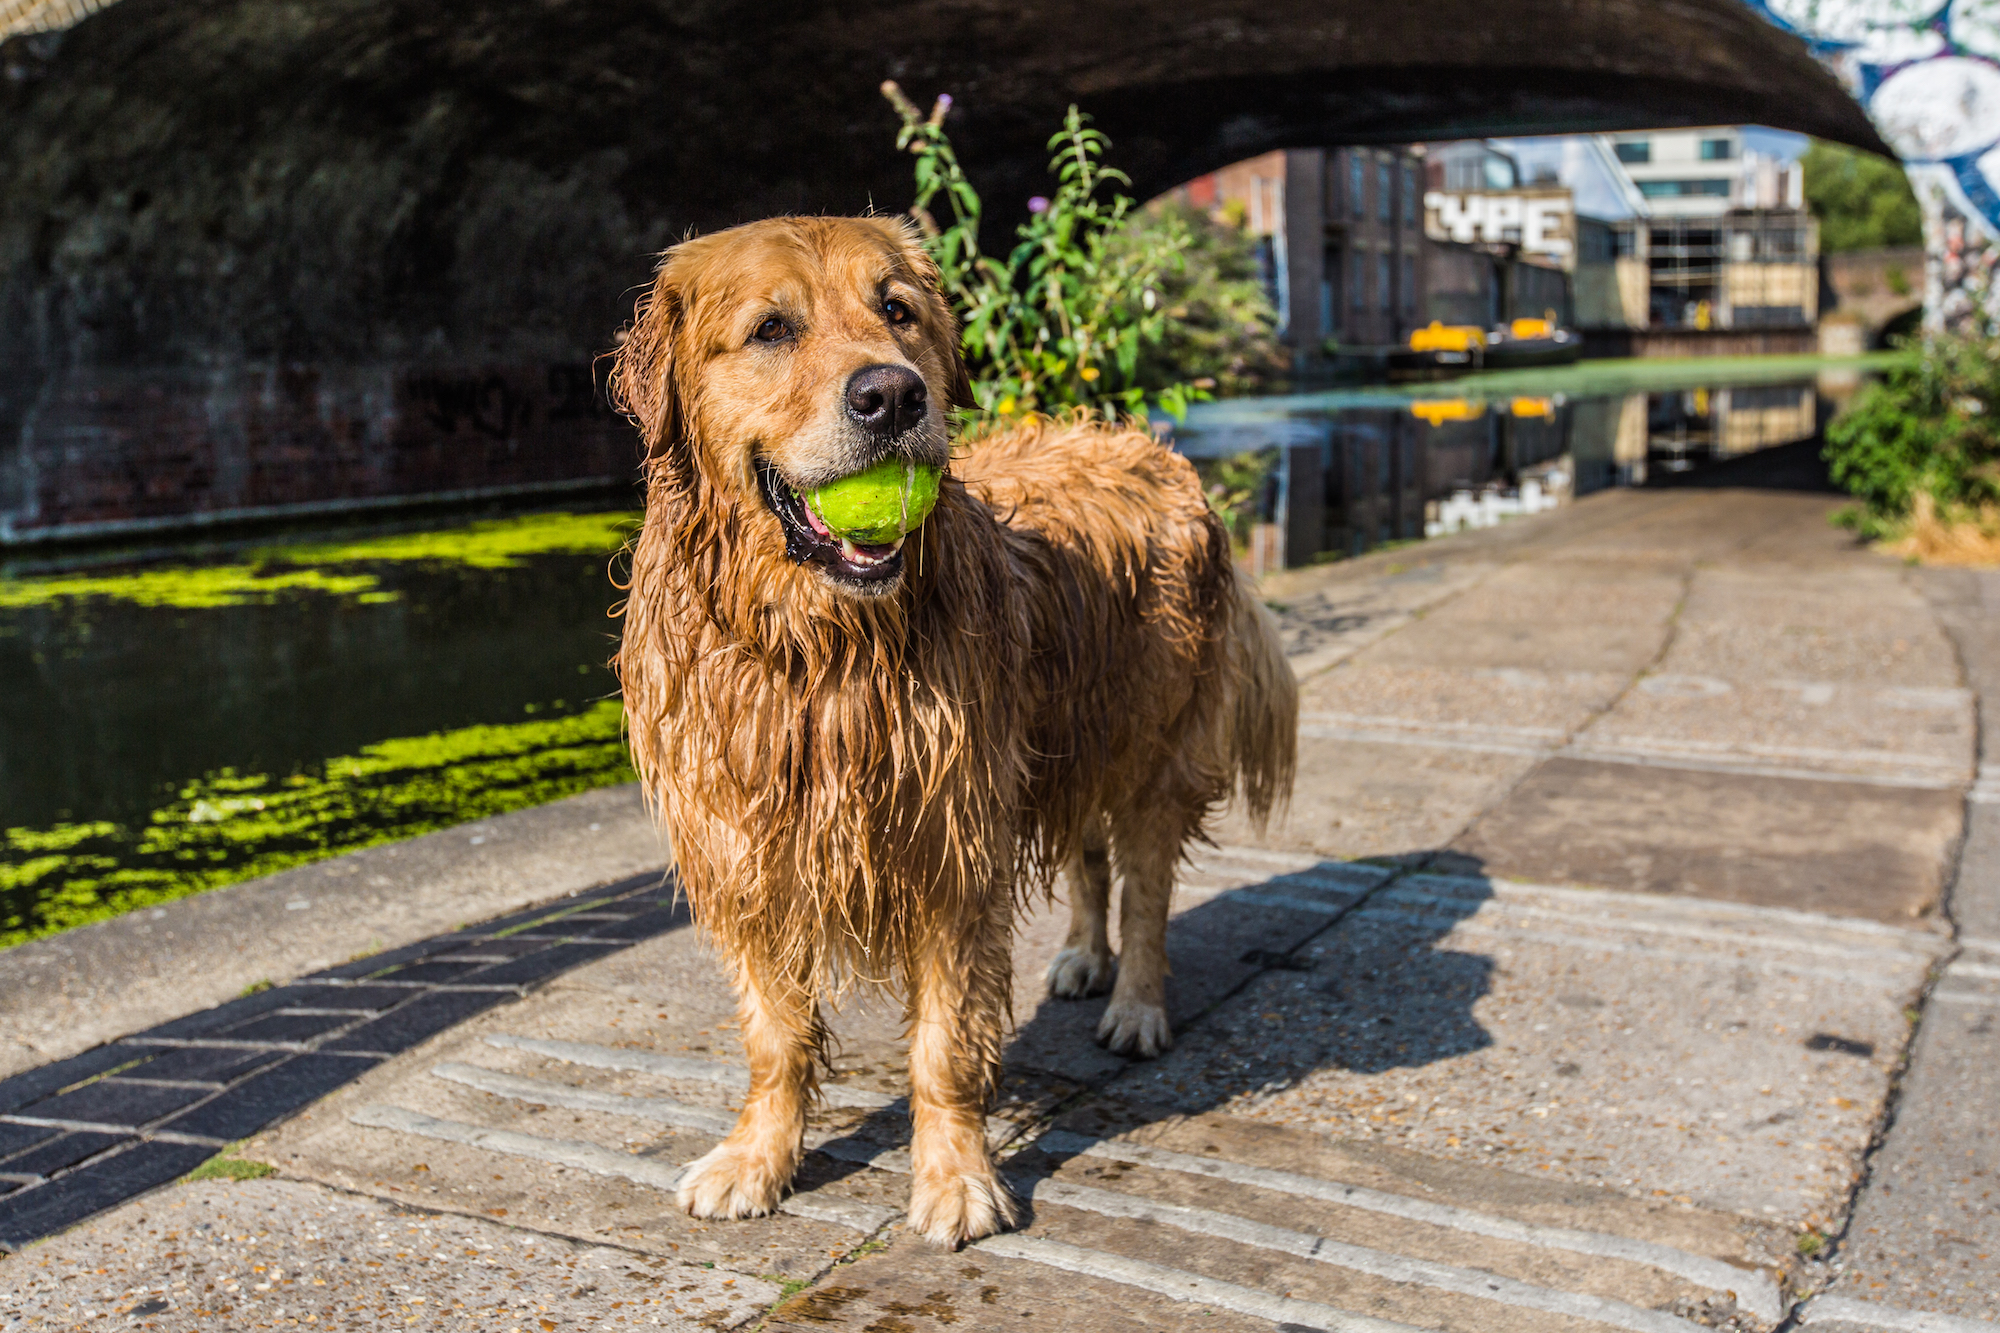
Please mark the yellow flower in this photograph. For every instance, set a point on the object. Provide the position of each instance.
(1006, 406)
(1089, 373)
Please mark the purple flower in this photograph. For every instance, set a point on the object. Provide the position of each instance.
(944, 100)
(1038, 204)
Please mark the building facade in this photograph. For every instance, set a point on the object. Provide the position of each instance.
(1498, 249)
(1342, 234)
(1721, 240)
(1362, 245)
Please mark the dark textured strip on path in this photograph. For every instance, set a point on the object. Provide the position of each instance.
(85, 1134)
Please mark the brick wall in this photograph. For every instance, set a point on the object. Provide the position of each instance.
(123, 449)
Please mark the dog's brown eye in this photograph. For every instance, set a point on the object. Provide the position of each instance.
(772, 330)
(897, 312)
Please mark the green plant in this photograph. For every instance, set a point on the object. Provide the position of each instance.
(1221, 331)
(1928, 430)
(1062, 322)
(1861, 200)
(1233, 485)
(224, 1167)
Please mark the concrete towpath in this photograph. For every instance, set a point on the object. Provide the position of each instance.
(1615, 968)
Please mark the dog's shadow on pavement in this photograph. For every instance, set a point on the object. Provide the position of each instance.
(1264, 995)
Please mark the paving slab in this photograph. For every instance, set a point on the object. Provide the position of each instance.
(1857, 622)
(1694, 527)
(910, 1286)
(1924, 1238)
(1512, 705)
(1920, 736)
(1383, 797)
(1731, 1058)
(1842, 847)
(1925, 1234)
(1468, 1204)
(1500, 641)
(274, 1253)
(1325, 619)
(1967, 604)
(73, 991)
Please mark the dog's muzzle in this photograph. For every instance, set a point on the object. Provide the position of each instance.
(809, 542)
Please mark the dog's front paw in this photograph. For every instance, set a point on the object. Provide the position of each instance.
(1077, 973)
(1130, 1027)
(951, 1208)
(732, 1182)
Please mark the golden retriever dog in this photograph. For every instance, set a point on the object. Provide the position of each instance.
(866, 758)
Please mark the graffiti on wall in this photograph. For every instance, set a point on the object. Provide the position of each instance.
(1929, 75)
(1541, 221)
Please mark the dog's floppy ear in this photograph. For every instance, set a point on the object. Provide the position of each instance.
(950, 346)
(642, 373)
(961, 378)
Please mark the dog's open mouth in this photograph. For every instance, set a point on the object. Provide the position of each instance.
(808, 540)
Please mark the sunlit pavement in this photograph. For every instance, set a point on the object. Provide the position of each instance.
(1575, 992)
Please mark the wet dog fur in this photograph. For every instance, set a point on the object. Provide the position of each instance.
(866, 758)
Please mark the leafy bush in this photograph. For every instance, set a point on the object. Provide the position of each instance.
(1861, 200)
(1235, 486)
(1220, 324)
(1090, 307)
(1926, 435)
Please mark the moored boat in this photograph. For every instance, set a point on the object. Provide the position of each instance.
(1439, 349)
(1531, 342)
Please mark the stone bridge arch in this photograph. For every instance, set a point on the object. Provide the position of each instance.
(264, 220)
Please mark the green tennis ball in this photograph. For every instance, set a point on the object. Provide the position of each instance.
(879, 504)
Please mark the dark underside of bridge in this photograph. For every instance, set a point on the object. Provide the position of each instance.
(189, 188)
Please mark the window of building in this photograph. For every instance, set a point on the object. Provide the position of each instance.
(1409, 194)
(1357, 290)
(1717, 150)
(1684, 189)
(1332, 266)
(1634, 152)
(1409, 283)
(1385, 285)
(1357, 184)
(1593, 242)
(1385, 192)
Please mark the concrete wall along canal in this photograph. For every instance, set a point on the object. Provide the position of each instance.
(108, 452)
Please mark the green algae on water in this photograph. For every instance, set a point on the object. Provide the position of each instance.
(498, 544)
(189, 588)
(230, 826)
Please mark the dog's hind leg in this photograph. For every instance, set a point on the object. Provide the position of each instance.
(1085, 966)
(1147, 844)
(748, 1172)
(960, 1001)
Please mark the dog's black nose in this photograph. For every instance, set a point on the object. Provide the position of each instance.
(888, 400)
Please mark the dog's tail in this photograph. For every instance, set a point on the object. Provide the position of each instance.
(1263, 718)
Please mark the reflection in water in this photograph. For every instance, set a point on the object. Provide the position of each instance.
(1304, 480)
(174, 727)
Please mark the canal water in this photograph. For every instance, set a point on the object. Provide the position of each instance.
(1306, 478)
(207, 714)
(183, 723)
